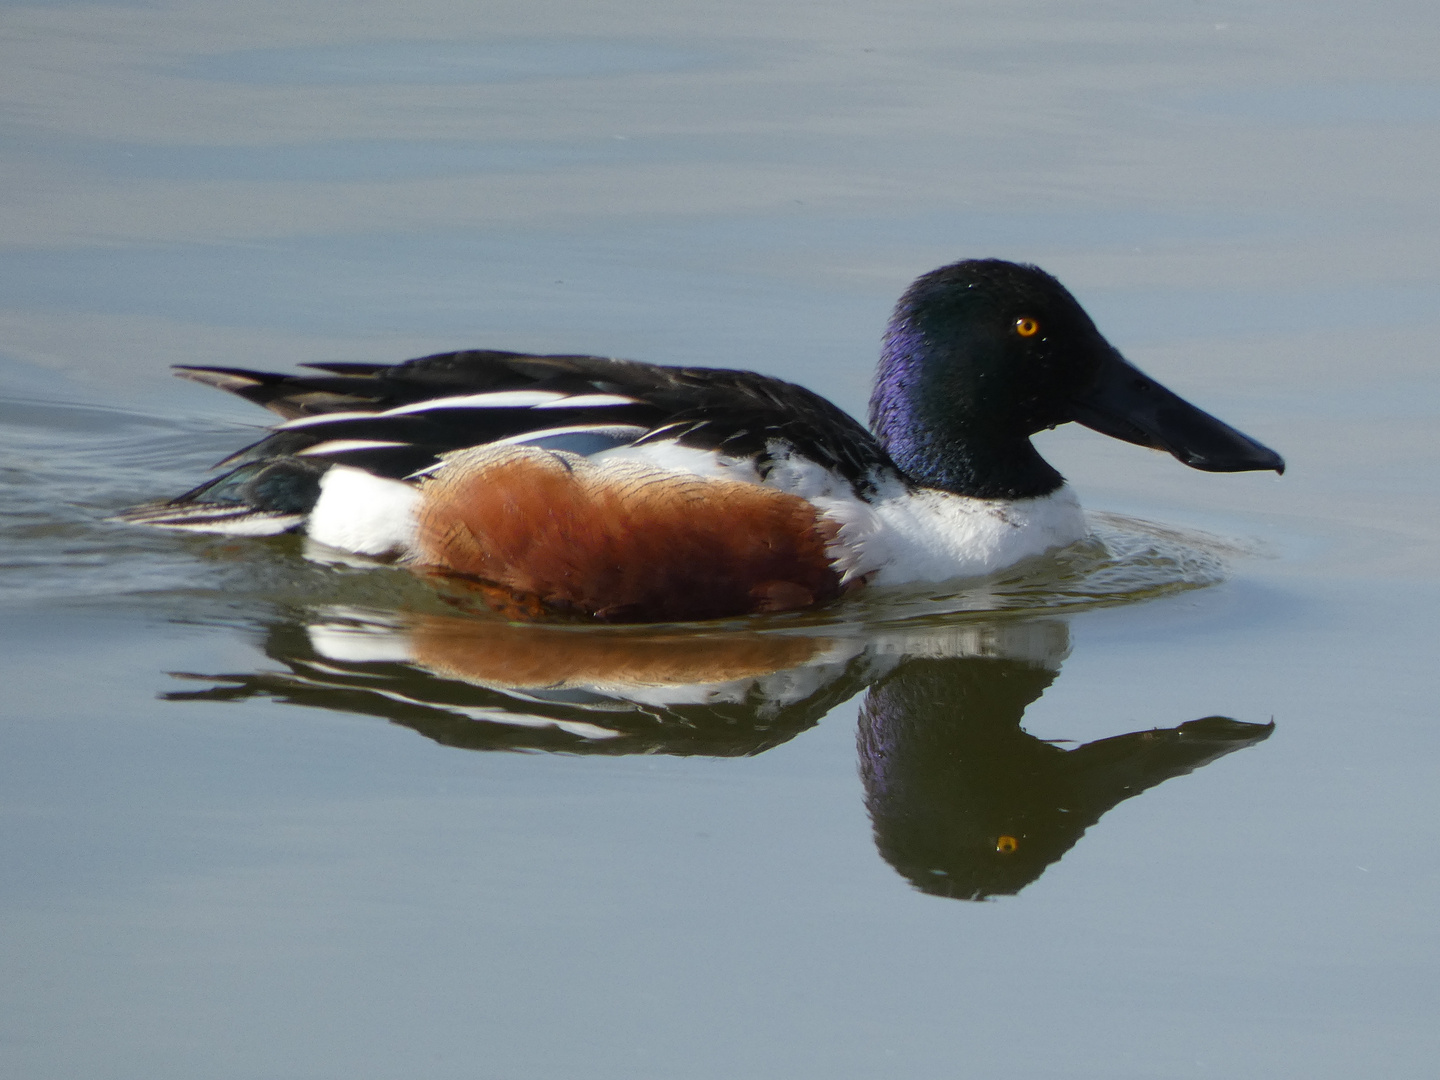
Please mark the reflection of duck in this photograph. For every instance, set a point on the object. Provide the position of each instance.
(485, 685)
(634, 493)
(964, 803)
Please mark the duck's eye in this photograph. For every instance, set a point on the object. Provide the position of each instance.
(1005, 845)
(1026, 326)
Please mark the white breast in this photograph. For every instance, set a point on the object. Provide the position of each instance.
(925, 535)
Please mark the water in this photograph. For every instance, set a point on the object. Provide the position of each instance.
(267, 816)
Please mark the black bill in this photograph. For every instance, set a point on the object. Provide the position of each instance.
(1125, 403)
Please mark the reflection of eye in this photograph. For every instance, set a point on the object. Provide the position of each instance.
(1006, 844)
(1026, 326)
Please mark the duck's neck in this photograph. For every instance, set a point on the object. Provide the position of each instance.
(931, 417)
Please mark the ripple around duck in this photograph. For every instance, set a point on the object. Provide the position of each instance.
(67, 467)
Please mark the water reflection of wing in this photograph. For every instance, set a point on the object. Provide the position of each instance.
(965, 804)
(488, 685)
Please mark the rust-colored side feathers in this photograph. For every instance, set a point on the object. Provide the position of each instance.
(621, 541)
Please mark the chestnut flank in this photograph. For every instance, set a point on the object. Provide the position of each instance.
(556, 533)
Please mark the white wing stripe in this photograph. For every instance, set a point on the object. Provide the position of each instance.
(499, 399)
(340, 446)
(323, 418)
(619, 431)
(586, 401)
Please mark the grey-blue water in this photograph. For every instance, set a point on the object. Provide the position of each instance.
(263, 816)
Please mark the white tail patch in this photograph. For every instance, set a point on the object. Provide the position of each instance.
(358, 511)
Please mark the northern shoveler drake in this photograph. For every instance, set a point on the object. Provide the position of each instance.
(630, 492)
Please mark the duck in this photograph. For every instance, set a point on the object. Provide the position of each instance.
(610, 490)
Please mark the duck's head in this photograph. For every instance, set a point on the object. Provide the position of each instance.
(981, 355)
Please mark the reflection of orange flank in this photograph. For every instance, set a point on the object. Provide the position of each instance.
(624, 541)
(501, 655)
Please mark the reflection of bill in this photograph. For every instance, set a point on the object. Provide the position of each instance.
(964, 802)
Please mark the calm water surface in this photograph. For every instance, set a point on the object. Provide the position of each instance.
(1164, 805)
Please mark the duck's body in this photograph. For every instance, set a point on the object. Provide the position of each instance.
(635, 492)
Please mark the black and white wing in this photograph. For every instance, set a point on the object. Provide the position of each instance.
(398, 421)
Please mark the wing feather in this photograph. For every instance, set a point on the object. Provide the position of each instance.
(399, 420)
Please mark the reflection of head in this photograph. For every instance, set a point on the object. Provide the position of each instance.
(943, 780)
(965, 804)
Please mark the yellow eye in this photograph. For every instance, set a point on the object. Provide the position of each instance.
(1006, 844)
(1026, 326)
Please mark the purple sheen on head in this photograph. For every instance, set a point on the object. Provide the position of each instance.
(877, 744)
(892, 416)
